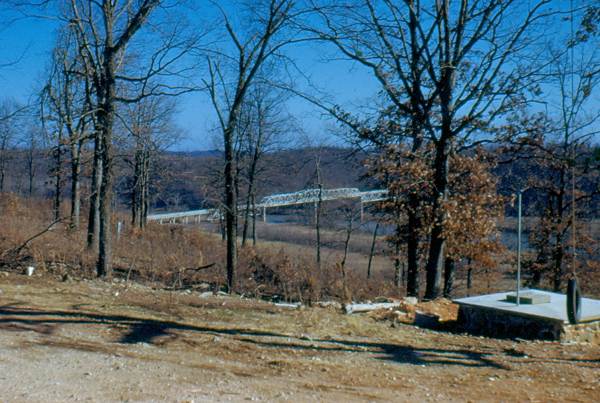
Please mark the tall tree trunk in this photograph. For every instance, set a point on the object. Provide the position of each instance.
(3, 160)
(106, 117)
(449, 275)
(318, 215)
(346, 247)
(443, 144)
(469, 278)
(372, 250)
(253, 219)
(345, 257)
(2, 174)
(558, 253)
(412, 248)
(135, 198)
(397, 262)
(58, 176)
(416, 127)
(247, 215)
(93, 229)
(140, 184)
(75, 185)
(31, 168)
(435, 262)
(145, 203)
(397, 265)
(104, 265)
(252, 174)
(230, 206)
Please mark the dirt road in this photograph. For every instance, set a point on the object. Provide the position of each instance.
(99, 341)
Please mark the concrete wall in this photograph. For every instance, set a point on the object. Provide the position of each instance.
(493, 323)
(496, 323)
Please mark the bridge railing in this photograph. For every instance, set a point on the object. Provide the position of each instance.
(283, 199)
(308, 196)
(182, 214)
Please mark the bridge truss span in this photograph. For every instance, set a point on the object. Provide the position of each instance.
(306, 196)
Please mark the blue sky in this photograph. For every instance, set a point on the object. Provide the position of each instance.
(30, 42)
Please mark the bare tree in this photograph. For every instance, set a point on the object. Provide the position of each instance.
(560, 143)
(68, 93)
(104, 33)
(318, 212)
(150, 123)
(32, 148)
(264, 121)
(448, 68)
(9, 128)
(252, 48)
(372, 249)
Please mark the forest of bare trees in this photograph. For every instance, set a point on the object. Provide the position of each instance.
(473, 103)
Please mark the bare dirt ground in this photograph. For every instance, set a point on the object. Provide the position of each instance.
(100, 341)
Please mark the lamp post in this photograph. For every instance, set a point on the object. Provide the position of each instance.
(519, 229)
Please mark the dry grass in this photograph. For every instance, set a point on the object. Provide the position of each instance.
(187, 257)
(179, 257)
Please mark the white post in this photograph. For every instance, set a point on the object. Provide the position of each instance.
(264, 214)
(119, 229)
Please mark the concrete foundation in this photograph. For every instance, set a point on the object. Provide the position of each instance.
(495, 315)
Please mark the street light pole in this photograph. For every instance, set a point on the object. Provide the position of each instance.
(519, 201)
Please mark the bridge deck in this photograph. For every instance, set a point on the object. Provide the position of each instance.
(306, 196)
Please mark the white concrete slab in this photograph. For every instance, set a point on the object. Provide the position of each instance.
(555, 310)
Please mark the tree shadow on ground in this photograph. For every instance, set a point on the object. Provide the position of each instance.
(153, 331)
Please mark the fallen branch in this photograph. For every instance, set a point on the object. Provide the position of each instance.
(207, 266)
(16, 251)
(177, 275)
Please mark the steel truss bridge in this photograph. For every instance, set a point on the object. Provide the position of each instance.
(306, 196)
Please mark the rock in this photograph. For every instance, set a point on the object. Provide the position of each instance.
(206, 294)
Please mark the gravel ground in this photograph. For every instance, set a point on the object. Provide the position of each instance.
(100, 341)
